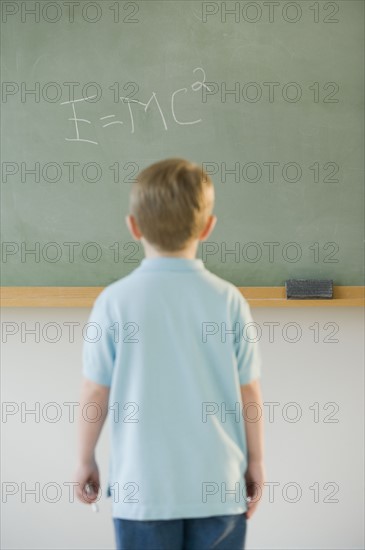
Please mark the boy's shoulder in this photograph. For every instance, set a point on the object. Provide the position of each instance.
(115, 288)
(228, 289)
(214, 286)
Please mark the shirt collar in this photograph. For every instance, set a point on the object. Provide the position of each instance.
(167, 263)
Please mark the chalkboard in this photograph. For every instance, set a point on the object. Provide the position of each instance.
(268, 98)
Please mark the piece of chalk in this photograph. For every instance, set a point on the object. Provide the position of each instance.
(309, 289)
(94, 506)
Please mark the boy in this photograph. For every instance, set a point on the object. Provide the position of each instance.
(170, 357)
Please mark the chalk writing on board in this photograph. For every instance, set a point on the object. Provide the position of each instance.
(76, 120)
(132, 104)
(110, 123)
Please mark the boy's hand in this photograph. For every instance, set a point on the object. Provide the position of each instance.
(87, 473)
(255, 478)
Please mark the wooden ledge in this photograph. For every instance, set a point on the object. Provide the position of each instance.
(274, 296)
(259, 296)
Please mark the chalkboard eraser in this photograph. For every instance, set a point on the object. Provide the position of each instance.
(309, 289)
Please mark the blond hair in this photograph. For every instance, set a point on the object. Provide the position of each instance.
(171, 203)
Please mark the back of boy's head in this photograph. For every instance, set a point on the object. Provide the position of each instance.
(171, 201)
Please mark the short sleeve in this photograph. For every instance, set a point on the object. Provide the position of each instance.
(98, 344)
(248, 353)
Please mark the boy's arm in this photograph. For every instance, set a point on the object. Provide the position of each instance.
(254, 421)
(254, 426)
(90, 422)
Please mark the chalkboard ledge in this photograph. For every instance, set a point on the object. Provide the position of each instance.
(259, 296)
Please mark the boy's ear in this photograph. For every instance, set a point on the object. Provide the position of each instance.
(133, 227)
(212, 220)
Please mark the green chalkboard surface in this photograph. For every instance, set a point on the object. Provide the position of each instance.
(269, 98)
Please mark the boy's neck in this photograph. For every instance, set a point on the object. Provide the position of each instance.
(189, 252)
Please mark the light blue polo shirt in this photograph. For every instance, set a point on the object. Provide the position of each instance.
(174, 342)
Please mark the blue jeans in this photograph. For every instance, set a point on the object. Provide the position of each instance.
(218, 532)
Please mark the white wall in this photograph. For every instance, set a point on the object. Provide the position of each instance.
(305, 452)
